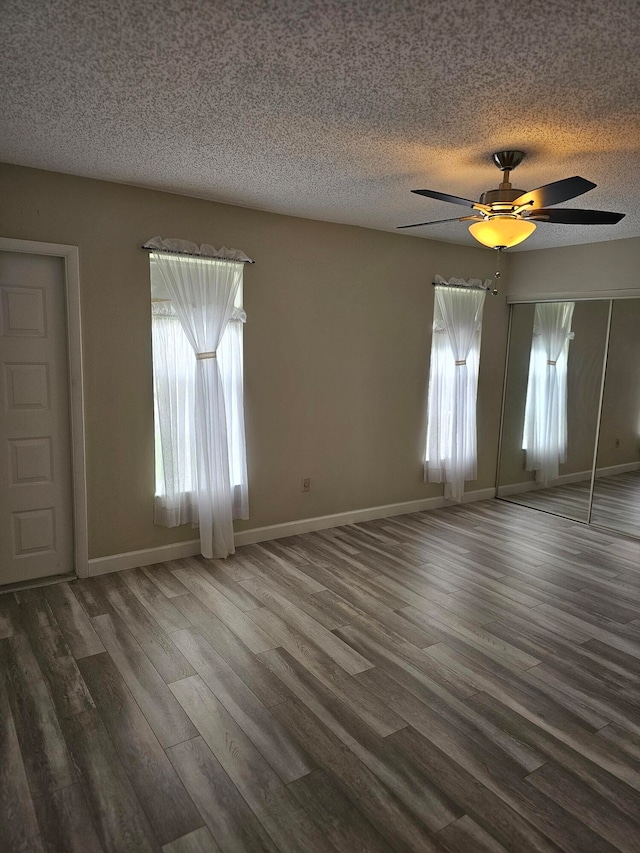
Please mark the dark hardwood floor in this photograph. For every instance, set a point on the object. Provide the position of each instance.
(464, 680)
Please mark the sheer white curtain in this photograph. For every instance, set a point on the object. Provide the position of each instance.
(451, 452)
(198, 392)
(545, 416)
(174, 410)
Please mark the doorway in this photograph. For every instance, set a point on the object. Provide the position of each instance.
(42, 480)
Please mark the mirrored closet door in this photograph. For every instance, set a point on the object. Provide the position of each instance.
(616, 488)
(570, 441)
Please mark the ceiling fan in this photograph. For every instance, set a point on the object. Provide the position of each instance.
(507, 216)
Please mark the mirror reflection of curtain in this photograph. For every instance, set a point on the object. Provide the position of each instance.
(545, 419)
(451, 453)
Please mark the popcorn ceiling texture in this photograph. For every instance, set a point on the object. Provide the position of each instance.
(331, 109)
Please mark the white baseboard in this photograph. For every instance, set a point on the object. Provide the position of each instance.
(322, 522)
(148, 556)
(618, 469)
(532, 486)
(577, 477)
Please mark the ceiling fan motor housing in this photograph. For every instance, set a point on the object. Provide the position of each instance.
(496, 196)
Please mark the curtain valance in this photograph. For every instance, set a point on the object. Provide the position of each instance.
(177, 246)
(477, 283)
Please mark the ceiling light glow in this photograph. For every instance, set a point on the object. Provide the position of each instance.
(501, 231)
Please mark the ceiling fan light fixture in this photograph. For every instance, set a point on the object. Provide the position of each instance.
(502, 232)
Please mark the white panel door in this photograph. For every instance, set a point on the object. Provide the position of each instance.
(36, 506)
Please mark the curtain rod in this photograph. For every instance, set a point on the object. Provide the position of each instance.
(463, 286)
(193, 255)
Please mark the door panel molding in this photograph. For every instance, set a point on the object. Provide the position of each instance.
(70, 256)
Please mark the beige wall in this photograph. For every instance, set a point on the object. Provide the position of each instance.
(621, 401)
(584, 381)
(336, 350)
(607, 266)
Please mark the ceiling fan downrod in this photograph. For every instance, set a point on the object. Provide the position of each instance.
(506, 161)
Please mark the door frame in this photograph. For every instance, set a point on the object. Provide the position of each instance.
(70, 256)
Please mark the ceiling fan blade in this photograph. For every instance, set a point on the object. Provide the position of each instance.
(568, 216)
(440, 221)
(555, 192)
(454, 199)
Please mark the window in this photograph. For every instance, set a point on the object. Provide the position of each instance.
(175, 378)
(451, 451)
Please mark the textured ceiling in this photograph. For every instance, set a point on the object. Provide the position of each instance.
(331, 109)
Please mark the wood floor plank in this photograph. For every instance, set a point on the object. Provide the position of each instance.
(283, 754)
(73, 621)
(367, 706)
(153, 600)
(483, 669)
(466, 836)
(346, 828)
(590, 693)
(534, 822)
(286, 611)
(408, 665)
(352, 586)
(622, 738)
(622, 637)
(548, 716)
(156, 643)
(231, 822)
(165, 716)
(198, 841)
(118, 817)
(285, 550)
(91, 596)
(278, 811)
(46, 760)
(18, 827)
(249, 770)
(221, 580)
(247, 631)
(573, 795)
(168, 807)
(8, 615)
(622, 662)
(412, 789)
(442, 625)
(251, 670)
(392, 819)
(266, 561)
(504, 823)
(439, 699)
(57, 664)
(451, 727)
(66, 823)
(607, 770)
(386, 624)
(582, 664)
(311, 605)
(160, 575)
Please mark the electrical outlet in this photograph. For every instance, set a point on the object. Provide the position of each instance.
(617, 442)
(306, 484)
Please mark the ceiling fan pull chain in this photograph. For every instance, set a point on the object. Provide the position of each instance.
(496, 275)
